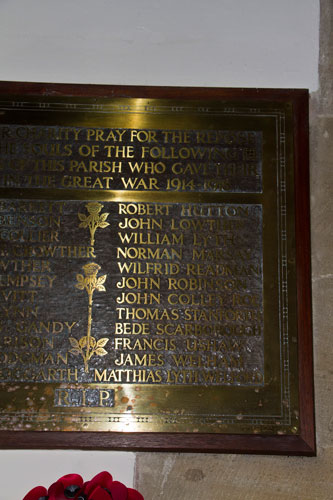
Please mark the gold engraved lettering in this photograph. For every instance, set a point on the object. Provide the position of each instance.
(149, 267)
(72, 252)
(152, 238)
(143, 135)
(132, 328)
(97, 167)
(137, 360)
(176, 136)
(29, 235)
(102, 135)
(196, 210)
(128, 375)
(24, 266)
(119, 151)
(142, 344)
(27, 341)
(26, 280)
(14, 311)
(194, 300)
(189, 168)
(28, 357)
(133, 183)
(54, 327)
(139, 298)
(133, 223)
(104, 397)
(208, 284)
(84, 182)
(63, 396)
(147, 167)
(147, 313)
(143, 209)
(137, 283)
(18, 295)
(219, 254)
(149, 254)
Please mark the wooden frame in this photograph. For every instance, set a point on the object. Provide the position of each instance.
(304, 442)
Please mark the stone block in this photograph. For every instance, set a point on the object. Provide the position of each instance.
(235, 477)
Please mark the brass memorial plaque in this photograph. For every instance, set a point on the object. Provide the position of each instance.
(148, 268)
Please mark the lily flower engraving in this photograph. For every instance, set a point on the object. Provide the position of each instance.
(87, 346)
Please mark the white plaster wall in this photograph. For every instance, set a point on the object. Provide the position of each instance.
(237, 43)
(20, 471)
(250, 43)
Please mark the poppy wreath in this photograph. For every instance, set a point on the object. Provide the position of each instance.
(71, 486)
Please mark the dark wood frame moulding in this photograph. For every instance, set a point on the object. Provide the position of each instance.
(302, 444)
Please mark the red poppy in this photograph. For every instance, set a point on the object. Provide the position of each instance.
(134, 495)
(36, 493)
(103, 479)
(71, 486)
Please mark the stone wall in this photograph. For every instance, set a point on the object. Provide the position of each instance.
(170, 476)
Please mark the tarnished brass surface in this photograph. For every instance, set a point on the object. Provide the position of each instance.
(147, 266)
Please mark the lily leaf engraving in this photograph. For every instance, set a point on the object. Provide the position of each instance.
(102, 342)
